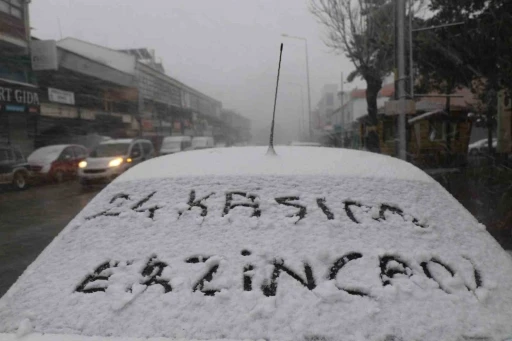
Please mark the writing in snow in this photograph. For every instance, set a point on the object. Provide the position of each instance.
(239, 199)
(391, 268)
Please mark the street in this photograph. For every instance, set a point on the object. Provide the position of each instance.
(29, 220)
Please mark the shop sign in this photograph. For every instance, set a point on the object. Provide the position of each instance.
(147, 124)
(87, 115)
(44, 55)
(58, 111)
(61, 96)
(127, 118)
(18, 96)
(15, 108)
(18, 108)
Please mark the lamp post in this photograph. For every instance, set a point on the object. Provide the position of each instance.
(309, 89)
(301, 121)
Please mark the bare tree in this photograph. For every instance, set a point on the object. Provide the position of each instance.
(364, 31)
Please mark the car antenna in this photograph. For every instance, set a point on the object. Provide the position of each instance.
(271, 150)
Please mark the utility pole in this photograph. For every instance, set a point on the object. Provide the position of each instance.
(411, 61)
(309, 89)
(309, 94)
(342, 120)
(400, 51)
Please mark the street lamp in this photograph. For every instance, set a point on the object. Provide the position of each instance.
(301, 121)
(307, 72)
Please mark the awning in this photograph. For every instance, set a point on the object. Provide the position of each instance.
(426, 115)
(9, 81)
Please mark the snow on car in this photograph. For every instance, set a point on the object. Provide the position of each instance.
(311, 244)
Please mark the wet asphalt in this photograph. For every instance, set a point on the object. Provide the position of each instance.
(29, 220)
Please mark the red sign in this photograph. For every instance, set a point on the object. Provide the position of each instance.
(147, 124)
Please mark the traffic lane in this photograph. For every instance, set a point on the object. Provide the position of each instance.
(29, 221)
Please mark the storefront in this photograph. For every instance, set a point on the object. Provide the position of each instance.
(19, 109)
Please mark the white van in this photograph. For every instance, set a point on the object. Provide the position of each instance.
(113, 157)
(175, 144)
(202, 142)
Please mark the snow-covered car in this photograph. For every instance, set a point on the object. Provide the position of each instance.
(202, 142)
(235, 244)
(175, 144)
(56, 162)
(481, 146)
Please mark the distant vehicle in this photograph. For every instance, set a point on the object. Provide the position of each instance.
(305, 144)
(113, 157)
(202, 142)
(57, 162)
(14, 169)
(316, 244)
(481, 146)
(175, 144)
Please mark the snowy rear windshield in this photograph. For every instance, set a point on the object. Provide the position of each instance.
(280, 258)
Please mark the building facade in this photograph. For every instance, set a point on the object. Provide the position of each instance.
(353, 109)
(19, 97)
(237, 128)
(328, 103)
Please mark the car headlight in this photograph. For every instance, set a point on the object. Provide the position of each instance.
(116, 162)
(82, 164)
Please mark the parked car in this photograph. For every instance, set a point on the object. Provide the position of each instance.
(175, 144)
(14, 169)
(314, 244)
(57, 162)
(481, 147)
(113, 157)
(202, 142)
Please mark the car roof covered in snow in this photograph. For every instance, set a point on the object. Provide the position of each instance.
(235, 244)
(116, 141)
(244, 161)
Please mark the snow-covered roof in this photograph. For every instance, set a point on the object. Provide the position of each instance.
(300, 248)
(243, 161)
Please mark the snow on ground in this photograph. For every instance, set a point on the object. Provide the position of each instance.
(298, 257)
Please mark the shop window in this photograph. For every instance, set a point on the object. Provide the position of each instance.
(436, 130)
(16, 12)
(454, 131)
(4, 7)
(389, 130)
(12, 7)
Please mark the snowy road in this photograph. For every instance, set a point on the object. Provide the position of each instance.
(29, 221)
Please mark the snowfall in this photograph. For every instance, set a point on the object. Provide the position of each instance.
(311, 244)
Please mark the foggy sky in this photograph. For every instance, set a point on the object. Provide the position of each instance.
(227, 49)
